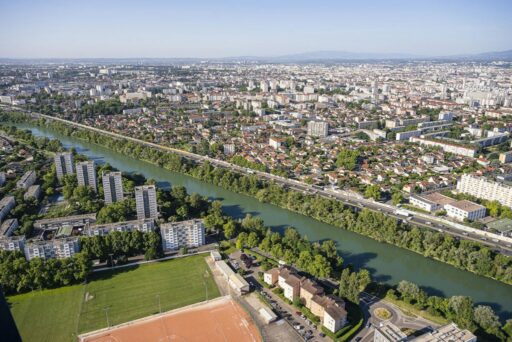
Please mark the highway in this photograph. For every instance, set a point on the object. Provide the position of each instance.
(496, 242)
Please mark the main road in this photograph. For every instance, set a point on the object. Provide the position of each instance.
(498, 243)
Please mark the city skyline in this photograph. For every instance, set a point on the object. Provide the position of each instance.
(200, 29)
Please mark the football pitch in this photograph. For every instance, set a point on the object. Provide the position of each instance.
(117, 296)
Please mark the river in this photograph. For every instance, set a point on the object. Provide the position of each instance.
(387, 263)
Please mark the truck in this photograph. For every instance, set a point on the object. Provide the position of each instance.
(402, 213)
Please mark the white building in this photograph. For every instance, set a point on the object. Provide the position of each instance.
(318, 128)
(64, 164)
(145, 202)
(388, 332)
(182, 234)
(229, 149)
(144, 226)
(484, 188)
(86, 174)
(6, 204)
(461, 210)
(408, 134)
(450, 332)
(27, 180)
(430, 202)
(12, 243)
(112, 187)
(58, 248)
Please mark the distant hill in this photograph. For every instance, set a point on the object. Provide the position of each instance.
(337, 55)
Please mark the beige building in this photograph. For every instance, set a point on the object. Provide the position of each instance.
(309, 289)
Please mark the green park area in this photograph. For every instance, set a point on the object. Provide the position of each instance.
(122, 295)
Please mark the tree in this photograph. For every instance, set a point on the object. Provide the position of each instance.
(229, 229)
(347, 159)
(397, 198)
(461, 311)
(252, 240)
(485, 317)
(373, 191)
(241, 240)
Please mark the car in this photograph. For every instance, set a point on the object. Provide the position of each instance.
(322, 334)
(298, 313)
(358, 339)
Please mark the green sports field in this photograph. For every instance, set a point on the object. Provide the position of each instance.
(125, 294)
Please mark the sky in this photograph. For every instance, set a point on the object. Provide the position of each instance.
(202, 28)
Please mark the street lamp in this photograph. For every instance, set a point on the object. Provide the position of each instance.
(159, 306)
(106, 314)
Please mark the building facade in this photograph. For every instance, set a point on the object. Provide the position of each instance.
(58, 248)
(144, 226)
(182, 234)
(86, 174)
(484, 188)
(318, 129)
(64, 164)
(465, 210)
(112, 187)
(145, 202)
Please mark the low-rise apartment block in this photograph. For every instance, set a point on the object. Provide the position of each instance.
(57, 248)
(144, 226)
(330, 309)
(12, 243)
(182, 234)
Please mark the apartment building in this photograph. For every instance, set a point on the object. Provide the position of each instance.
(461, 210)
(27, 180)
(484, 188)
(58, 248)
(8, 227)
(330, 309)
(33, 191)
(446, 146)
(289, 281)
(74, 221)
(86, 174)
(6, 205)
(144, 226)
(12, 243)
(112, 187)
(505, 157)
(64, 164)
(145, 202)
(182, 234)
(318, 128)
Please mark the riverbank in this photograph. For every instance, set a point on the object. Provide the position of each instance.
(372, 224)
(387, 263)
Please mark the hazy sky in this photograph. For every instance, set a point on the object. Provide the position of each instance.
(209, 28)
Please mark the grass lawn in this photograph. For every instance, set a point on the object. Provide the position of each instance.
(126, 294)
